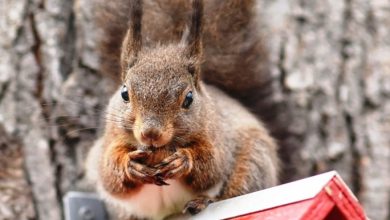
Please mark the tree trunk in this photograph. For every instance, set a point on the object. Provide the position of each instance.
(330, 62)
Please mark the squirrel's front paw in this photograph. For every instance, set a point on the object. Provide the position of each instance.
(176, 165)
(139, 172)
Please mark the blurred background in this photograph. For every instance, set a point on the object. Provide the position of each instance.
(330, 66)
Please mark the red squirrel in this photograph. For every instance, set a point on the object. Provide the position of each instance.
(173, 143)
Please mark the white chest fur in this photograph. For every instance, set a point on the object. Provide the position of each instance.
(155, 202)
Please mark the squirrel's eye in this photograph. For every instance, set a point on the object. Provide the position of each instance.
(125, 93)
(188, 100)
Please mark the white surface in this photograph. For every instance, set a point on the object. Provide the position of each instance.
(276, 196)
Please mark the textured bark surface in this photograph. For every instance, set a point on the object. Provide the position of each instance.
(332, 68)
(330, 62)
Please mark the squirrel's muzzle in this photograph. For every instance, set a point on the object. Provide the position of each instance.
(152, 133)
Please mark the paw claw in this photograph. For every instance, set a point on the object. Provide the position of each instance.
(159, 181)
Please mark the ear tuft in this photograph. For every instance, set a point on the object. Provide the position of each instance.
(194, 38)
(133, 40)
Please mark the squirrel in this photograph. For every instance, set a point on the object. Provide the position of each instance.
(174, 139)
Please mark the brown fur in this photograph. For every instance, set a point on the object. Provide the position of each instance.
(215, 139)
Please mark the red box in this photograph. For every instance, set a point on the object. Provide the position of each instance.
(324, 196)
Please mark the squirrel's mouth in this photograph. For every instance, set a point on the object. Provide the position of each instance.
(152, 148)
(153, 145)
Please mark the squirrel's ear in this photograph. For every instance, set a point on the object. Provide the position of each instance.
(133, 40)
(192, 39)
(194, 35)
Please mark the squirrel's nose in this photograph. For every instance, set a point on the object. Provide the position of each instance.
(150, 135)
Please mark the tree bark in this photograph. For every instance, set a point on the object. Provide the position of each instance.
(330, 63)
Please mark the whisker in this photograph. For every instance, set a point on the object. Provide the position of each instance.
(74, 132)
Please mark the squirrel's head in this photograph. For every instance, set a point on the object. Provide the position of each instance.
(161, 92)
